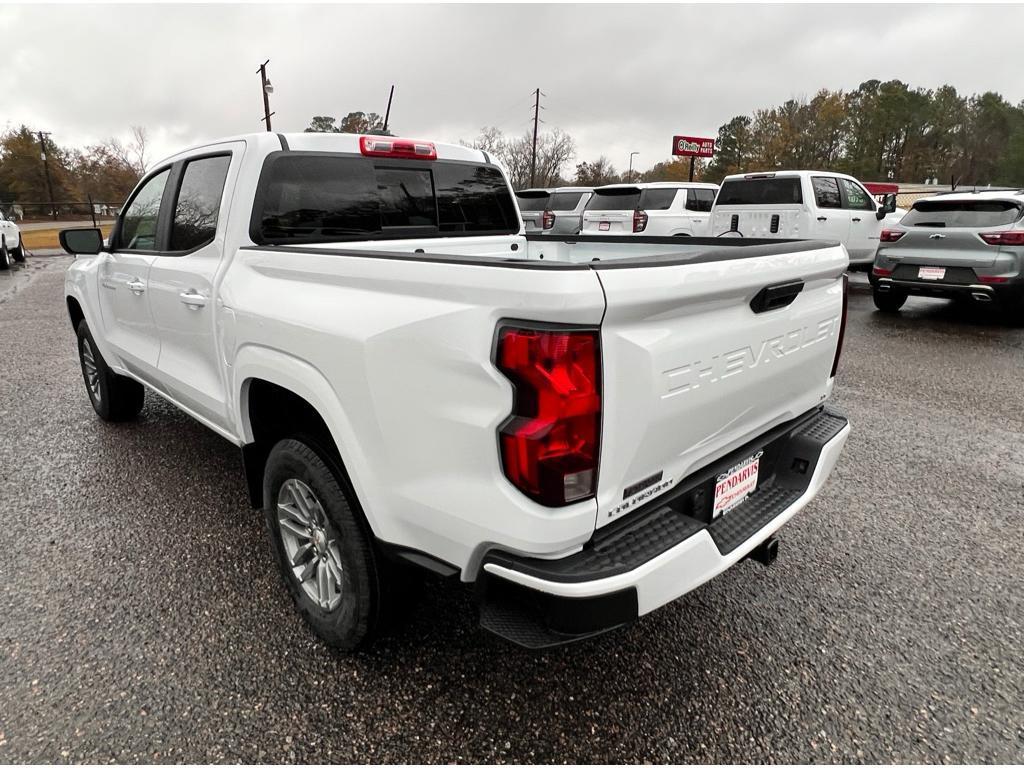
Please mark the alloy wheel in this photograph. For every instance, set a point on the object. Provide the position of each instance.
(92, 372)
(311, 544)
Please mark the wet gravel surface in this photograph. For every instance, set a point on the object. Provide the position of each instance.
(142, 619)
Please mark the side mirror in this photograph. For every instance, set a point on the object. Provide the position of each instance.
(81, 241)
(888, 205)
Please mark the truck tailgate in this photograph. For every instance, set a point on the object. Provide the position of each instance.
(692, 372)
(777, 223)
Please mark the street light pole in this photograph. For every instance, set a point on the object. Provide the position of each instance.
(267, 90)
(629, 175)
(46, 171)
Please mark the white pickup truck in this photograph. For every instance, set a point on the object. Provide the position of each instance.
(802, 204)
(583, 429)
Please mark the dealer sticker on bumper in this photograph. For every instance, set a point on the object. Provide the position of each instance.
(732, 487)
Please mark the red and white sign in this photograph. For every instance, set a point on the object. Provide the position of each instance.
(693, 146)
(735, 485)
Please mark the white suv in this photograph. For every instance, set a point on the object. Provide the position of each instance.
(11, 249)
(653, 208)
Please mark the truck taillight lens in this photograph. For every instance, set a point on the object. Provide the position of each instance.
(1003, 238)
(639, 221)
(547, 220)
(407, 149)
(890, 235)
(549, 444)
(842, 326)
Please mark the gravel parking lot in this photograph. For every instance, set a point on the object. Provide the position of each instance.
(142, 618)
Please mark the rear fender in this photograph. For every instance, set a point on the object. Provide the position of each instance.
(299, 377)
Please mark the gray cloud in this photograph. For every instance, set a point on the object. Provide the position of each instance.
(617, 77)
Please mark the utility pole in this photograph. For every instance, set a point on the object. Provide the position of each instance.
(46, 171)
(267, 90)
(629, 175)
(692, 160)
(533, 155)
(387, 115)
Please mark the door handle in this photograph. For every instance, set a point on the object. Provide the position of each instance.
(192, 299)
(823, 218)
(136, 286)
(854, 219)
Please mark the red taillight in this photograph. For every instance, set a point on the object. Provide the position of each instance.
(990, 280)
(879, 272)
(385, 146)
(639, 220)
(890, 235)
(547, 220)
(549, 444)
(842, 326)
(1015, 237)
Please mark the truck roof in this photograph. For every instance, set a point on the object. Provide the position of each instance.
(333, 142)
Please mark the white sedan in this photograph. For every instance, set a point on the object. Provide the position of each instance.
(10, 242)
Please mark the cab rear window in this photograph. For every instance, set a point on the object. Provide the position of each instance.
(961, 213)
(318, 197)
(771, 191)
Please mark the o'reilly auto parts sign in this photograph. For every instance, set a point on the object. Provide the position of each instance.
(693, 146)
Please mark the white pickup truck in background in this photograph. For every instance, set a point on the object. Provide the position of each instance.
(802, 204)
(653, 209)
(583, 428)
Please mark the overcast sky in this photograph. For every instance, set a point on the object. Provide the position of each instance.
(618, 78)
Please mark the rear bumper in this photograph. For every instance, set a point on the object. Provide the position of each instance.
(995, 292)
(661, 551)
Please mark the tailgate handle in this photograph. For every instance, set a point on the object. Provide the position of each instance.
(776, 296)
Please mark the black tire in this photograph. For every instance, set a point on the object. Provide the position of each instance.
(19, 253)
(890, 301)
(5, 256)
(113, 397)
(362, 591)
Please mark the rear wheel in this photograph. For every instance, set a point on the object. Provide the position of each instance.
(322, 545)
(113, 397)
(890, 301)
(19, 253)
(5, 255)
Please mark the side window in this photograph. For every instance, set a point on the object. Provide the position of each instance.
(138, 227)
(856, 197)
(198, 204)
(826, 192)
(699, 200)
(657, 199)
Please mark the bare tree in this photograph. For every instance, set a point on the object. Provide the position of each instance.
(140, 138)
(555, 148)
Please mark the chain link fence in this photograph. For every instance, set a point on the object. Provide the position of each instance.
(60, 211)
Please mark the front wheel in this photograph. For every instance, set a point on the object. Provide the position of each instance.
(19, 253)
(890, 301)
(5, 256)
(322, 545)
(113, 397)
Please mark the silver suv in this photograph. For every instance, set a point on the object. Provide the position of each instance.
(556, 211)
(959, 244)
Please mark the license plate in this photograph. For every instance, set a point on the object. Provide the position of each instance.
(733, 487)
(604, 226)
(931, 273)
